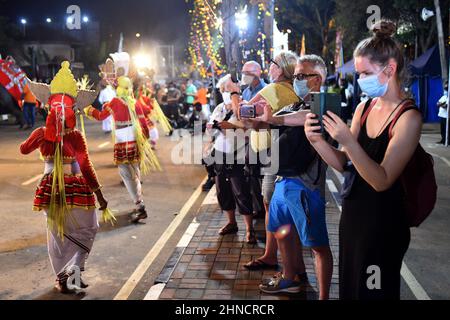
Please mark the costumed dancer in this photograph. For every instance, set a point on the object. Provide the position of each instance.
(66, 191)
(145, 104)
(132, 151)
(153, 113)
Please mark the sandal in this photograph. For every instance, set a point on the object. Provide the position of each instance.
(229, 229)
(258, 264)
(251, 237)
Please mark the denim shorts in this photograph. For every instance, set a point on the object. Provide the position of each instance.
(294, 204)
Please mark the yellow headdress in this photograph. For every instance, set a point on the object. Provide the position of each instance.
(64, 81)
(124, 87)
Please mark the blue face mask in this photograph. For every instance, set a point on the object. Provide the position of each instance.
(372, 87)
(301, 88)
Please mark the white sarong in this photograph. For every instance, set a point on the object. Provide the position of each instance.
(73, 250)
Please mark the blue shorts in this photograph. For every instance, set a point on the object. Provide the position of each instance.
(294, 204)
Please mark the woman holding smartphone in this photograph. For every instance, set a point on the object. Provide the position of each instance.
(374, 233)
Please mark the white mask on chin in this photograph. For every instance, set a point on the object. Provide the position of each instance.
(226, 96)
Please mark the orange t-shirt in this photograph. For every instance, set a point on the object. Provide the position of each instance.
(29, 96)
(201, 96)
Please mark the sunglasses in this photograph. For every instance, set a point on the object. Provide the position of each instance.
(303, 76)
(273, 61)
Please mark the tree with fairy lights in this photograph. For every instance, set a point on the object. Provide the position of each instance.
(218, 40)
(205, 37)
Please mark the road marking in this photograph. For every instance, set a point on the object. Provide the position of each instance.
(447, 162)
(414, 285)
(331, 186)
(137, 275)
(187, 236)
(155, 291)
(339, 176)
(334, 192)
(30, 181)
(211, 197)
(104, 144)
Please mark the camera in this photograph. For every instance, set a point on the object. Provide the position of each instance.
(247, 111)
(322, 102)
(215, 125)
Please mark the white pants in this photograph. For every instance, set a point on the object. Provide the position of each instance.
(206, 112)
(131, 176)
(154, 134)
(107, 124)
(73, 250)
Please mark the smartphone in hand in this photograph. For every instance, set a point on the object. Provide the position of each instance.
(322, 102)
(247, 111)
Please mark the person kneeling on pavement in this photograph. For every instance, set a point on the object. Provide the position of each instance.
(233, 187)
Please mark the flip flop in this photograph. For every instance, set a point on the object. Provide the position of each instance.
(230, 228)
(258, 264)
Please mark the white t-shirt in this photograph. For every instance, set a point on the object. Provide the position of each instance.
(225, 140)
(106, 95)
(443, 111)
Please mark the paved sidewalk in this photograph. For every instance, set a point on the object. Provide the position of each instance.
(210, 266)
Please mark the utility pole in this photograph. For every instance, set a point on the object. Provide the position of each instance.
(441, 41)
(448, 96)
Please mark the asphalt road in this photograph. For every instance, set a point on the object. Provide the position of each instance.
(25, 271)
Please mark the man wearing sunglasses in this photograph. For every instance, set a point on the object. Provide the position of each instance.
(310, 74)
(301, 175)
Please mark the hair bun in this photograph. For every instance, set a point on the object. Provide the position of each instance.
(384, 29)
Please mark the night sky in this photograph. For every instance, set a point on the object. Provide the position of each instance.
(161, 20)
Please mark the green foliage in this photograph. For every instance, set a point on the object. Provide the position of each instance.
(312, 18)
(309, 17)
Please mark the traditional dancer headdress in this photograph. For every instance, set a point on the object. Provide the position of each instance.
(62, 96)
(116, 72)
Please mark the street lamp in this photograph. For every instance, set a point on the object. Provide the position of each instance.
(49, 20)
(242, 20)
(23, 21)
(138, 35)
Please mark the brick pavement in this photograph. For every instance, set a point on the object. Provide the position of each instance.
(211, 266)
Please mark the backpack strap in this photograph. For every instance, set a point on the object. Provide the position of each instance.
(367, 108)
(407, 105)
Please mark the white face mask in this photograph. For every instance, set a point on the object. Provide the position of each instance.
(247, 79)
(226, 96)
(371, 85)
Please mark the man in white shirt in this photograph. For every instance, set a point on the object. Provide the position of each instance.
(442, 104)
(106, 95)
(232, 186)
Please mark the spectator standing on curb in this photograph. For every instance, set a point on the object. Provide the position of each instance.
(374, 231)
(278, 94)
(297, 208)
(233, 189)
